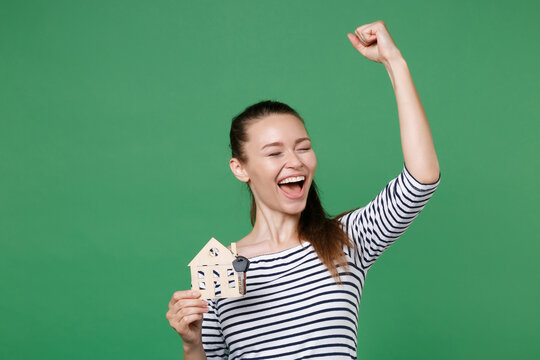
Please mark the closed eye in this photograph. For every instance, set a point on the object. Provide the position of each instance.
(279, 153)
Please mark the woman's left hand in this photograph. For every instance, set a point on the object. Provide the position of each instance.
(374, 42)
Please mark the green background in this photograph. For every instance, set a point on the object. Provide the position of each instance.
(114, 120)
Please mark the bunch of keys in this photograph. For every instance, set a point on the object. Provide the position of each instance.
(241, 265)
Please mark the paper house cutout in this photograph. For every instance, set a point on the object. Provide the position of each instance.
(212, 272)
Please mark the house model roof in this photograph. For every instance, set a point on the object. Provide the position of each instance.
(213, 253)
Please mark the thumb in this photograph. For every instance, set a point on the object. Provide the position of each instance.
(356, 42)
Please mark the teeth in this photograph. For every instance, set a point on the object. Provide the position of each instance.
(292, 179)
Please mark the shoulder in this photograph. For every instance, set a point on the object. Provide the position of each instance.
(244, 246)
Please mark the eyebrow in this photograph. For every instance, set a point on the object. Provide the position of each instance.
(277, 143)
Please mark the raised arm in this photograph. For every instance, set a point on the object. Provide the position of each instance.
(377, 225)
(374, 42)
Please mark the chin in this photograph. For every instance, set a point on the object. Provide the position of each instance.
(294, 209)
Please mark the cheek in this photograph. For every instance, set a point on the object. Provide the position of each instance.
(312, 162)
(266, 173)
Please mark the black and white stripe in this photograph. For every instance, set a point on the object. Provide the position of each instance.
(293, 308)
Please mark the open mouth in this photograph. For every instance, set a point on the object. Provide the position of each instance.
(293, 188)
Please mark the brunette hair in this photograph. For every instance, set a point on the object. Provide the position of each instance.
(325, 233)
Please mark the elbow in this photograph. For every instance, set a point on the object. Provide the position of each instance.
(431, 177)
(426, 175)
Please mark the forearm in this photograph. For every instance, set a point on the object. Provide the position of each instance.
(194, 352)
(416, 139)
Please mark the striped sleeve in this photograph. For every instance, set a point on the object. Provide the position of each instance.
(374, 227)
(212, 337)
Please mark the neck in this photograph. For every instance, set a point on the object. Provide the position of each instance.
(275, 228)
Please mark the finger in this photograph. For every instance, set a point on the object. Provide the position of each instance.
(366, 36)
(192, 310)
(370, 36)
(186, 317)
(190, 303)
(186, 320)
(360, 37)
(184, 294)
(356, 42)
(361, 30)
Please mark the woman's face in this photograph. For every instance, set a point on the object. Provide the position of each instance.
(280, 163)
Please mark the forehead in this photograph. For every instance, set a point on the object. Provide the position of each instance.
(276, 127)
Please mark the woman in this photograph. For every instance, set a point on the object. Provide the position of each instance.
(307, 270)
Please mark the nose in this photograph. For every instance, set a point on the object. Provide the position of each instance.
(292, 160)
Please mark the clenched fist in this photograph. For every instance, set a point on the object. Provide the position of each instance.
(374, 42)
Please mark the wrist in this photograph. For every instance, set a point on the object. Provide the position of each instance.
(396, 59)
(191, 347)
(394, 66)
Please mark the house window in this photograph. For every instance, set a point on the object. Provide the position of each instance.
(232, 283)
(230, 272)
(217, 290)
(216, 273)
(201, 274)
(214, 252)
(202, 285)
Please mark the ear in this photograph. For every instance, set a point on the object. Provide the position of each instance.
(238, 170)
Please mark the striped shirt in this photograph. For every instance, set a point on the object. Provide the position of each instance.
(293, 308)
